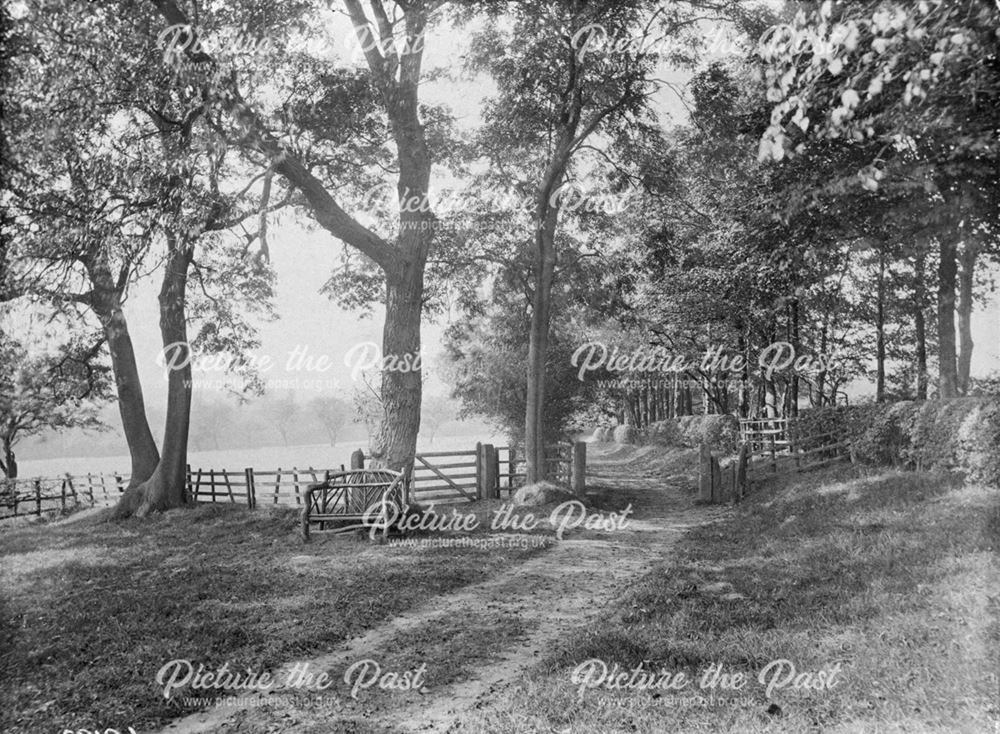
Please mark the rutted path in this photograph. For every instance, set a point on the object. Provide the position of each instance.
(556, 591)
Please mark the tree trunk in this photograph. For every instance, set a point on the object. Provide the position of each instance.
(164, 490)
(9, 462)
(744, 390)
(966, 283)
(821, 376)
(947, 270)
(793, 387)
(538, 343)
(880, 328)
(395, 441)
(106, 303)
(920, 324)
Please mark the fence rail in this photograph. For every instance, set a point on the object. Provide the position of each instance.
(36, 495)
(768, 447)
(438, 477)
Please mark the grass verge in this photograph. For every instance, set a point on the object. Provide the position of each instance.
(886, 584)
(89, 611)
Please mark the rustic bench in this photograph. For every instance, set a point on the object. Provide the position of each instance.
(365, 496)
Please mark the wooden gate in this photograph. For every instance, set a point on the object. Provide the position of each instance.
(443, 477)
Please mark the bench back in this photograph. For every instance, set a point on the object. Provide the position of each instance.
(357, 494)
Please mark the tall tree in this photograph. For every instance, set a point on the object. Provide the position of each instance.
(392, 36)
(138, 184)
(915, 87)
(555, 96)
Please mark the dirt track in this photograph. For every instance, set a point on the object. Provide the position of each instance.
(557, 590)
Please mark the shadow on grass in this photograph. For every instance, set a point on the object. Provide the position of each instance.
(888, 575)
(84, 639)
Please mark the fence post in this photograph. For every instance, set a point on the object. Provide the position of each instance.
(251, 489)
(496, 472)
(511, 466)
(742, 467)
(480, 479)
(38, 497)
(407, 480)
(774, 460)
(578, 471)
(62, 495)
(793, 448)
(72, 488)
(187, 483)
(716, 481)
(491, 486)
(704, 474)
(229, 486)
(357, 459)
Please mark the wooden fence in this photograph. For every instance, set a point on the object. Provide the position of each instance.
(36, 495)
(768, 447)
(247, 486)
(440, 477)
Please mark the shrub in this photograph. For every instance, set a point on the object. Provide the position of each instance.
(720, 432)
(961, 434)
(665, 433)
(626, 434)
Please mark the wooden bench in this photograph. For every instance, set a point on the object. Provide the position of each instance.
(366, 496)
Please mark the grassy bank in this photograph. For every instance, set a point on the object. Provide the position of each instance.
(91, 611)
(885, 584)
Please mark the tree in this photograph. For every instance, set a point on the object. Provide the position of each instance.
(212, 420)
(910, 85)
(436, 412)
(552, 98)
(56, 391)
(368, 407)
(332, 413)
(143, 177)
(282, 412)
(392, 37)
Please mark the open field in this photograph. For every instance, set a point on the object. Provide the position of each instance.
(320, 455)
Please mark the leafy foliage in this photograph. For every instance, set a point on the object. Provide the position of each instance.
(63, 389)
